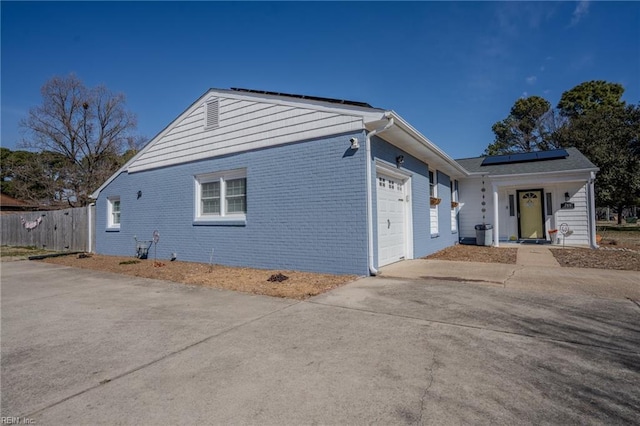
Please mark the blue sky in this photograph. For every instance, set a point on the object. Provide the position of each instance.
(451, 69)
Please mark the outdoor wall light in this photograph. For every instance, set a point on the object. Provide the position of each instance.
(354, 143)
(139, 194)
(567, 197)
(399, 160)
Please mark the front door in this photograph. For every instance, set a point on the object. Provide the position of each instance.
(531, 223)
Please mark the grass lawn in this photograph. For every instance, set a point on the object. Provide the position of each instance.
(21, 252)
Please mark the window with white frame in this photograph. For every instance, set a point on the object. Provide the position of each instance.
(433, 213)
(432, 185)
(113, 212)
(454, 206)
(221, 196)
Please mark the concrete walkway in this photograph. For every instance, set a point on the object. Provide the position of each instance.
(535, 269)
(536, 255)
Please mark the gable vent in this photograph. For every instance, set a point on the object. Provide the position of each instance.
(211, 114)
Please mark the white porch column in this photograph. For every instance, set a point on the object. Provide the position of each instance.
(496, 224)
(592, 212)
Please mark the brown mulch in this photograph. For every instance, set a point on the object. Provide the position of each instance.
(602, 258)
(298, 285)
(469, 253)
(607, 257)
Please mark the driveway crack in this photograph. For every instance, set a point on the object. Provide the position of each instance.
(634, 302)
(430, 370)
(511, 275)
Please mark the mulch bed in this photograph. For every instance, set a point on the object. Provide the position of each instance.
(484, 254)
(603, 258)
(296, 285)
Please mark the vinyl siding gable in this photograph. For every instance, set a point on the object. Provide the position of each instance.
(243, 125)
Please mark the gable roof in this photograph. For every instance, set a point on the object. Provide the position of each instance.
(333, 116)
(574, 161)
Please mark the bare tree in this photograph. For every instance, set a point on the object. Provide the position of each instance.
(89, 127)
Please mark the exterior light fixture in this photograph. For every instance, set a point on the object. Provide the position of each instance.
(139, 194)
(399, 160)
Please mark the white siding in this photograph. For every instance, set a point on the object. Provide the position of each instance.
(470, 213)
(243, 125)
(577, 218)
(470, 210)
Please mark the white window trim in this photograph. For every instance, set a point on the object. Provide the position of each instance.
(454, 210)
(223, 217)
(110, 224)
(433, 210)
(435, 185)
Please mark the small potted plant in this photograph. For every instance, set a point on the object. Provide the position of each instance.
(435, 201)
(454, 204)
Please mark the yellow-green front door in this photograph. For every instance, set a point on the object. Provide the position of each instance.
(531, 224)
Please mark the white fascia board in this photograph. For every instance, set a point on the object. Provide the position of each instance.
(367, 114)
(558, 173)
(542, 178)
(149, 144)
(416, 135)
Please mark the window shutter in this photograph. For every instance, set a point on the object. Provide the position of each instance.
(212, 114)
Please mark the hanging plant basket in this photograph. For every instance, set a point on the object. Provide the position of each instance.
(454, 204)
(435, 201)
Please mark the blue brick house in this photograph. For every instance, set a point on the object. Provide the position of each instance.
(279, 181)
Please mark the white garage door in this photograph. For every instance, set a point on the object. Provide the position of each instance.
(391, 226)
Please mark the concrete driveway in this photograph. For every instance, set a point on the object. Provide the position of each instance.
(84, 347)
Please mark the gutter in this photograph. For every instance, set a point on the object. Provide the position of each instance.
(488, 173)
(372, 269)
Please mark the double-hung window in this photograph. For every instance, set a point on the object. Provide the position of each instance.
(221, 197)
(433, 211)
(113, 213)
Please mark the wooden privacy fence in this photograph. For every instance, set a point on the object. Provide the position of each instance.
(58, 230)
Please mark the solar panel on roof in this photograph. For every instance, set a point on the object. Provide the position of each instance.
(553, 154)
(312, 98)
(523, 157)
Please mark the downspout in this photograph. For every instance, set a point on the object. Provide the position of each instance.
(89, 228)
(592, 212)
(372, 269)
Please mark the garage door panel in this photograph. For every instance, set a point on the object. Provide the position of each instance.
(391, 220)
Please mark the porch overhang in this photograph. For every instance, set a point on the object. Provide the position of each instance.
(531, 180)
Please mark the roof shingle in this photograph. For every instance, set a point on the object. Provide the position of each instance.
(575, 161)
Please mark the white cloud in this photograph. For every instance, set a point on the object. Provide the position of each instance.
(531, 79)
(524, 95)
(581, 10)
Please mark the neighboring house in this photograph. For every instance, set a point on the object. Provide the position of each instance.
(281, 181)
(9, 205)
(526, 195)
